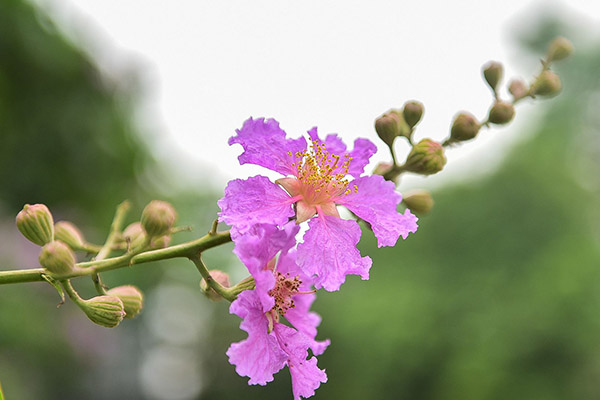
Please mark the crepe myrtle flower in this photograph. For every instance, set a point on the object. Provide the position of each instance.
(318, 177)
(282, 290)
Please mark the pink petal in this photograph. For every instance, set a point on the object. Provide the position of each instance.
(306, 322)
(257, 248)
(362, 152)
(265, 144)
(306, 376)
(260, 355)
(256, 200)
(375, 201)
(329, 252)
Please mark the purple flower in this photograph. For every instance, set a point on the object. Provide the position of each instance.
(282, 289)
(317, 179)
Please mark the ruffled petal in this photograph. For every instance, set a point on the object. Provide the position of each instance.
(362, 152)
(375, 201)
(306, 322)
(260, 355)
(329, 252)
(257, 248)
(255, 200)
(306, 376)
(265, 144)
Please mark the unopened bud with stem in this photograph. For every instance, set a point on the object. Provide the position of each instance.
(464, 127)
(35, 222)
(412, 112)
(57, 258)
(501, 113)
(518, 89)
(559, 49)
(69, 234)
(492, 73)
(158, 217)
(418, 201)
(107, 311)
(426, 158)
(547, 84)
(131, 297)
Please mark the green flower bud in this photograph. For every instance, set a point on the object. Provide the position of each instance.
(412, 112)
(492, 73)
(219, 276)
(57, 257)
(387, 127)
(131, 297)
(501, 113)
(69, 234)
(418, 201)
(36, 224)
(518, 89)
(107, 311)
(464, 127)
(426, 158)
(135, 235)
(559, 49)
(158, 218)
(547, 84)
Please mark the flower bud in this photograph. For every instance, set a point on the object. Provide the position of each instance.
(69, 234)
(219, 276)
(57, 257)
(559, 49)
(134, 235)
(518, 89)
(547, 84)
(158, 218)
(36, 224)
(464, 127)
(387, 127)
(412, 112)
(404, 129)
(131, 297)
(418, 201)
(492, 72)
(107, 311)
(426, 158)
(501, 113)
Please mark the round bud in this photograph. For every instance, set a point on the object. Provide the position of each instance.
(547, 84)
(69, 234)
(404, 129)
(219, 276)
(131, 297)
(57, 258)
(412, 112)
(158, 218)
(464, 127)
(492, 73)
(387, 127)
(107, 311)
(418, 201)
(559, 49)
(501, 113)
(36, 224)
(426, 158)
(518, 89)
(134, 235)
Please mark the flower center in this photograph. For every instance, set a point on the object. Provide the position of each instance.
(321, 174)
(285, 288)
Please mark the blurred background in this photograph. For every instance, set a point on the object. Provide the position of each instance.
(495, 297)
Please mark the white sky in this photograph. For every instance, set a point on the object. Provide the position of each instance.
(209, 65)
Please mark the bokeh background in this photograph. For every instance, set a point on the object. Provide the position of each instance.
(497, 296)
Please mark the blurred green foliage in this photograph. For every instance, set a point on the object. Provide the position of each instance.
(496, 296)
